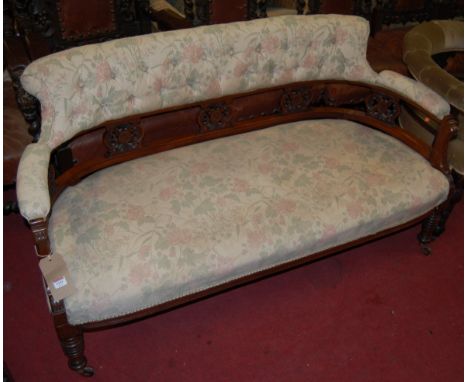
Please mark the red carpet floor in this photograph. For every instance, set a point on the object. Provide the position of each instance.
(381, 312)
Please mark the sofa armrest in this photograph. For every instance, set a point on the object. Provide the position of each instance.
(416, 91)
(32, 182)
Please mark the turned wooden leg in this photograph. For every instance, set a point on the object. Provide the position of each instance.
(72, 340)
(73, 348)
(440, 228)
(454, 199)
(427, 233)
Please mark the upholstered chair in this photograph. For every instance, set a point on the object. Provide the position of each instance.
(420, 44)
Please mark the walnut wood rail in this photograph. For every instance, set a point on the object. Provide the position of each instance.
(132, 137)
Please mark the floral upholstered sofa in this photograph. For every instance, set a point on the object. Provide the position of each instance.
(175, 165)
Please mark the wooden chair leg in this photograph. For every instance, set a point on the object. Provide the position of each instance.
(72, 341)
(454, 199)
(427, 233)
(73, 348)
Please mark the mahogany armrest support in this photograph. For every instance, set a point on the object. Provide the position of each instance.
(447, 131)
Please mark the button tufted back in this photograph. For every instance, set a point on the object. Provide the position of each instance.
(85, 86)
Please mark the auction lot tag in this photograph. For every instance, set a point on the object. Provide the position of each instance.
(57, 276)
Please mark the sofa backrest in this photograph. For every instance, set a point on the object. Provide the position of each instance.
(82, 87)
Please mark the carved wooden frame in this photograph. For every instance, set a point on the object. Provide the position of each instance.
(122, 138)
(179, 126)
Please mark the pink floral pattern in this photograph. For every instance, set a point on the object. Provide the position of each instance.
(414, 90)
(85, 86)
(127, 241)
(32, 186)
(98, 82)
(228, 207)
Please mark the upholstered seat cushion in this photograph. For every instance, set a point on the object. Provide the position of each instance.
(163, 226)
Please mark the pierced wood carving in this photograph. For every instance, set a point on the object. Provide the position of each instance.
(29, 105)
(383, 107)
(295, 100)
(214, 117)
(34, 16)
(122, 138)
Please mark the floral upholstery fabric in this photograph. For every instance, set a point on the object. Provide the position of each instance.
(170, 224)
(84, 86)
(32, 187)
(415, 91)
(114, 79)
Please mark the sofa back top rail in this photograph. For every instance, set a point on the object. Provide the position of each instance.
(132, 137)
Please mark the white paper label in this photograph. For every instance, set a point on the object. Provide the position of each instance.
(61, 282)
(57, 276)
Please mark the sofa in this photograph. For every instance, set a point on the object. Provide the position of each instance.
(173, 166)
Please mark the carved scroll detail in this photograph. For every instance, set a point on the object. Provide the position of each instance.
(29, 105)
(214, 117)
(383, 107)
(122, 138)
(296, 100)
